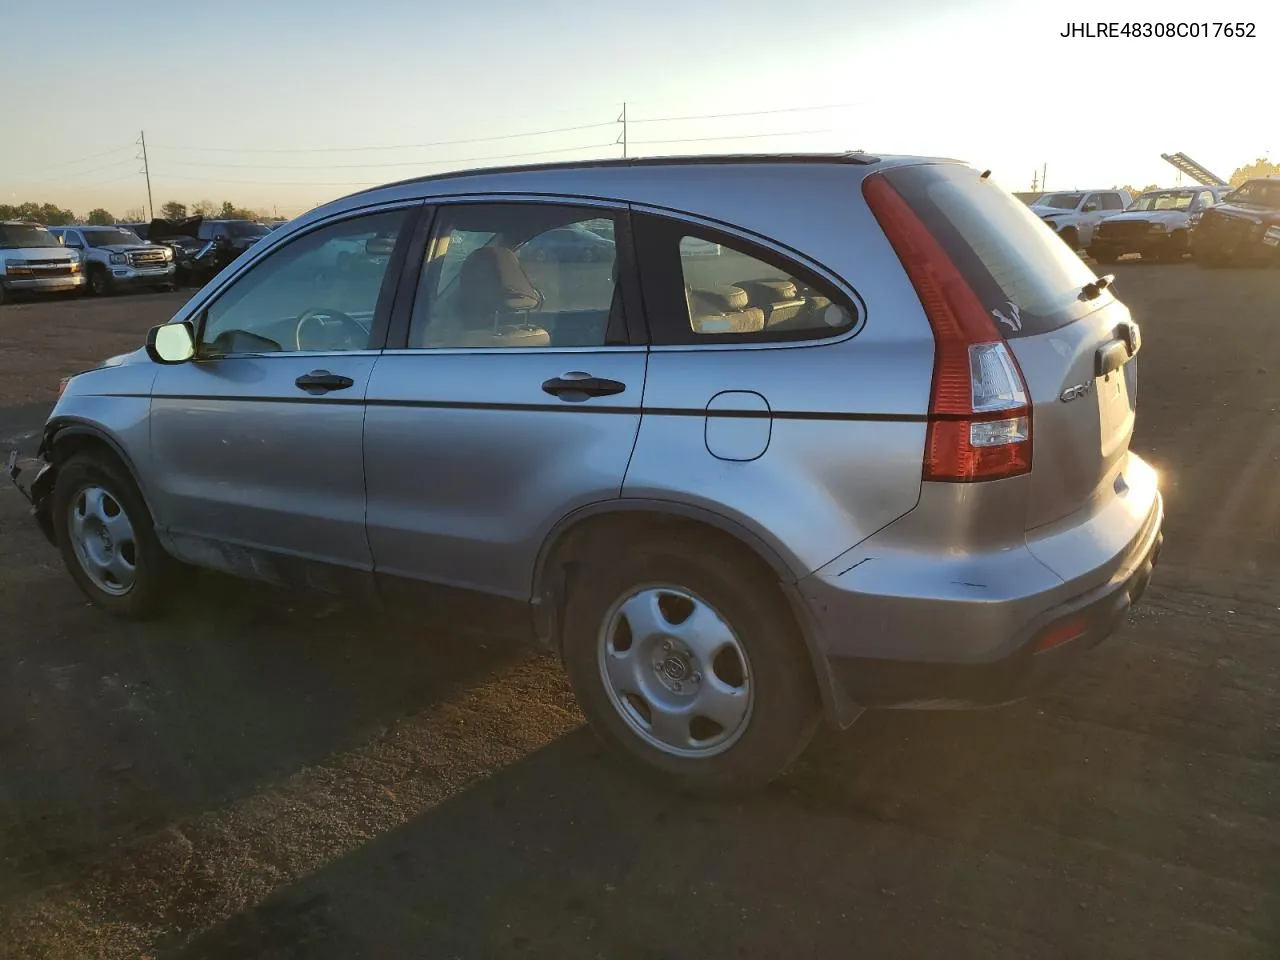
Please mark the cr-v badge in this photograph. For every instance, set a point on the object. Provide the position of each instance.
(1076, 392)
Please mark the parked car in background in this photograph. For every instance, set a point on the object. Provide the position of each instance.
(236, 236)
(114, 258)
(732, 492)
(1156, 225)
(33, 261)
(139, 230)
(1074, 214)
(1243, 228)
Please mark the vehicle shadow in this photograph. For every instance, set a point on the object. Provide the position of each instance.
(109, 731)
(959, 835)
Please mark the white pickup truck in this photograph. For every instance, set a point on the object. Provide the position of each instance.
(1074, 214)
(32, 260)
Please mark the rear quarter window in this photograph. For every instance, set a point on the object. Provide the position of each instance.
(1026, 277)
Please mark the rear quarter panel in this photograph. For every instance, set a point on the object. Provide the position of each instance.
(845, 438)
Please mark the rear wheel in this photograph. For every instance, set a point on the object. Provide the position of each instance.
(688, 660)
(106, 538)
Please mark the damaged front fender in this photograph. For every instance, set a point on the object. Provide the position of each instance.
(34, 478)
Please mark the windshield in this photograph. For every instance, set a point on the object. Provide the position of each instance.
(245, 228)
(1262, 193)
(110, 238)
(21, 236)
(1060, 201)
(1164, 200)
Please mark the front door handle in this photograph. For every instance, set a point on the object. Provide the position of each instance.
(578, 386)
(322, 381)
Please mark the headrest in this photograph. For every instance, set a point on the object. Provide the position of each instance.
(721, 299)
(492, 281)
(768, 291)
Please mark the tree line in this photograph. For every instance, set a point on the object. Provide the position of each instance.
(50, 214)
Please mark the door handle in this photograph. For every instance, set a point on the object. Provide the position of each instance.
(322, 381)
(577, 386)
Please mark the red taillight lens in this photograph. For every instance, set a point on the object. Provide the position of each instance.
(979, 417)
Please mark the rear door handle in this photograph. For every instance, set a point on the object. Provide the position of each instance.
(578, 386)
(322, 381)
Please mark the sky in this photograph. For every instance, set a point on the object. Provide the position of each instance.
(285, 104)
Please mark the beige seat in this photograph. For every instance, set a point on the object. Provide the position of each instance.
(722, 310)
(495, 297)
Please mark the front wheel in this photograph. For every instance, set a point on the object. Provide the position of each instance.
(687, 661)
(1071, 238)
(100, 284)
(107, 541)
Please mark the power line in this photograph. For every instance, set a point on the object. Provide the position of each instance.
(741, 136)
(391, 163)
(745, 113)
(92, 156)
(367, 183)
(402, 146)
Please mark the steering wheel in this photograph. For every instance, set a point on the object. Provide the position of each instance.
(338, 330)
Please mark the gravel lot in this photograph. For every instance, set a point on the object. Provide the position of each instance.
(258, 778)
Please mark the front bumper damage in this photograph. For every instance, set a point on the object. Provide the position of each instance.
(34, 477)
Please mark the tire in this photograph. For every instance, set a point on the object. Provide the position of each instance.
(130, 582)
(748, 662)
(1172, 250)
(3, 294)
(1071, 238)
(100, 284)
(1105, 256)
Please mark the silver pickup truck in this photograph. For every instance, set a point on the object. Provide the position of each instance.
(115, 257)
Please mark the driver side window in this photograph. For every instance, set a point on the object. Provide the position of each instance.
(318, 293)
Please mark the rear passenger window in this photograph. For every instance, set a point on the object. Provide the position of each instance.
(716, 288)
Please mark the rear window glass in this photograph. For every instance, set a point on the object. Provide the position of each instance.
(1022, 272)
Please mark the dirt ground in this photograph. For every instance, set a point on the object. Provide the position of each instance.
(257, 779)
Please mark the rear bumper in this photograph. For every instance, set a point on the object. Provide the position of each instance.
(1046, 650)
(908, 629)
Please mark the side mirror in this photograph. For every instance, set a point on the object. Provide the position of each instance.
(172, 342)
(1090, 208)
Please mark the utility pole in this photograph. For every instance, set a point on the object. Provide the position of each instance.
(622, 139)
(1044, 175)
(146, 168)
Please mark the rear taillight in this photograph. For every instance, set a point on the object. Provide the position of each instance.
(979, 417)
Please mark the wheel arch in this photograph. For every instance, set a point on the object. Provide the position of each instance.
(578, 532)
(64, 437)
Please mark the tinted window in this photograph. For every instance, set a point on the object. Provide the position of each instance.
(518, 275)
(1112, 201)
(1263, 193)
(1163, 200)
(1016, 264)
(317, 293)
(111, 238)
(21, 236)
(702, 286)
(1061, 201)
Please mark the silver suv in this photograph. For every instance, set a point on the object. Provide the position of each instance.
(746, 441)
